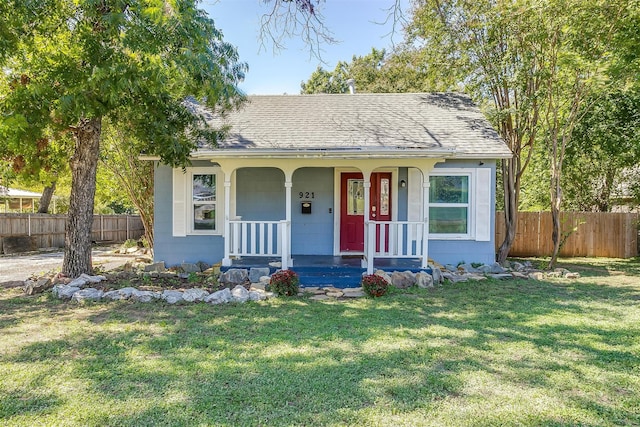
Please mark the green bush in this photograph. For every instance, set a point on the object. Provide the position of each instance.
(284, 283)
(374, 285)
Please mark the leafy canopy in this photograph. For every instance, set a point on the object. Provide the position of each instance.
(135, 61)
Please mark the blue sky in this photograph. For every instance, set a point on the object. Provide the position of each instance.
(354, 23)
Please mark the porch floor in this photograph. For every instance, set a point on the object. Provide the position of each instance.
(326, 270)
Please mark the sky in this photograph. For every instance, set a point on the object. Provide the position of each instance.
(356, 24)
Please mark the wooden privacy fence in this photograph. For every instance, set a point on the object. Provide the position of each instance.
(597, 234)
(48, 230)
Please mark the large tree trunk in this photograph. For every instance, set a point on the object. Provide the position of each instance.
(511, 195)
(45, 200)
(77, 251)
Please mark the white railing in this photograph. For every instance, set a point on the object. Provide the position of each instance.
(396, 239)
(260, 238)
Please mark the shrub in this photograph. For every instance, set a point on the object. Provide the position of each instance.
(284, 282)
(374, 285)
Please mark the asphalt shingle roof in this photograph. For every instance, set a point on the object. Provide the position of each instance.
(389, 121)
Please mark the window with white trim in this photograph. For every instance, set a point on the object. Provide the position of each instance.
(449, 204)
(203, 202)
(197, 203)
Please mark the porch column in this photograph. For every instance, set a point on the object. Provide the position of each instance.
(425, 224)
(226, 261)
(287, 261)
(369, 245)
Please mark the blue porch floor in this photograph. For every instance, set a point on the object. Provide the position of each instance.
(326, 270)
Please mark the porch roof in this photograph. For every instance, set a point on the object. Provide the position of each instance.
(358, 125)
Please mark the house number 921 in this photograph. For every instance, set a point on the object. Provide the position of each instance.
(307, 195)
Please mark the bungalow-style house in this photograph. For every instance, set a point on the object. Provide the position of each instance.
(374, 176)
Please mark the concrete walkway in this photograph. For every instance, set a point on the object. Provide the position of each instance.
(18, 267)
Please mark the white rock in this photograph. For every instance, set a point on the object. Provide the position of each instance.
(257, 296)
(144, 296)
(194, 295)
(64, 291)
(79, 282)
(424, 280)
(114, 295)
(87, 294)
(172, 297)
(219, 297)
(240, 294)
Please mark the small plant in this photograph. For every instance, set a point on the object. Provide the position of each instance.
(193, 277)
(374, 285)
(284, 282)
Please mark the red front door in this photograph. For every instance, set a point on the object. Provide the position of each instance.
(352, 207)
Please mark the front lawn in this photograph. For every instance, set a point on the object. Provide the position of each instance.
(559, 352)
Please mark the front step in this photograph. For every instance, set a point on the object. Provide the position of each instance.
(336, 276)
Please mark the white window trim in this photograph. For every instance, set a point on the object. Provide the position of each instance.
(471, 212)
(183, 201)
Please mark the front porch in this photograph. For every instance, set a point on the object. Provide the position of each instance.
(326, 270)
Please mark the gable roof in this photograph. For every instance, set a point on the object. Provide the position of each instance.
(427, 124)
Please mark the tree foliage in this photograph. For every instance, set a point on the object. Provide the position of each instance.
(69, 64)
(605, 153)
(376, 72)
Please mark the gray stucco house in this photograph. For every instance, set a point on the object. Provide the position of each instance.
(362, 175)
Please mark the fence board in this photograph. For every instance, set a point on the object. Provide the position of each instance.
(597, 234)
(49, 230)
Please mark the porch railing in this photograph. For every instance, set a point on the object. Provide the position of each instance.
(260, 238)
(396, 239)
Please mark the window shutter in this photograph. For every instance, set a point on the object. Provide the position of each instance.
(414, 196)
(483, 205)
(179, 203)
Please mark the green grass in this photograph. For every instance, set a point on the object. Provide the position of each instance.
(557, 353)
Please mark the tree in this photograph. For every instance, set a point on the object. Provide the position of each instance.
(604, 151)
(532, 65)
(376, 72)
(72, 64)
(119, 157)
(497, 52)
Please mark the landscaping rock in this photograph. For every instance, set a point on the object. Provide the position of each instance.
(384, 275)
(336, 294)
(502, 276)
(240, 294)
(194, 295)
(203, 266)
(484, 269)
(403, 279)
(351, 293)
(467, 268)
(536, 275)
(517, 266)
(234, 277)
(144, 296)
(257, 296)
(172, 297)
(32, 287)
(572, 275)
(519, 275)
(64, 291)
(424, 280)
(436, 273)
(87, 294)
(158, 267)
(321, 297)
(256, 273)
(496, 268)
(219, 297)
(188, 267)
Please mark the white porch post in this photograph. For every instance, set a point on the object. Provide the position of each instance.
(226, 261)
(287, 261)
(425, 224)
(369, 246)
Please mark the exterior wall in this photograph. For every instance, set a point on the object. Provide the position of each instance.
(260, 194)
(176, 250)
(312, 233)
(455, 251)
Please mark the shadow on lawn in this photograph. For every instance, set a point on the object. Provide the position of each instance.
(303, 362)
